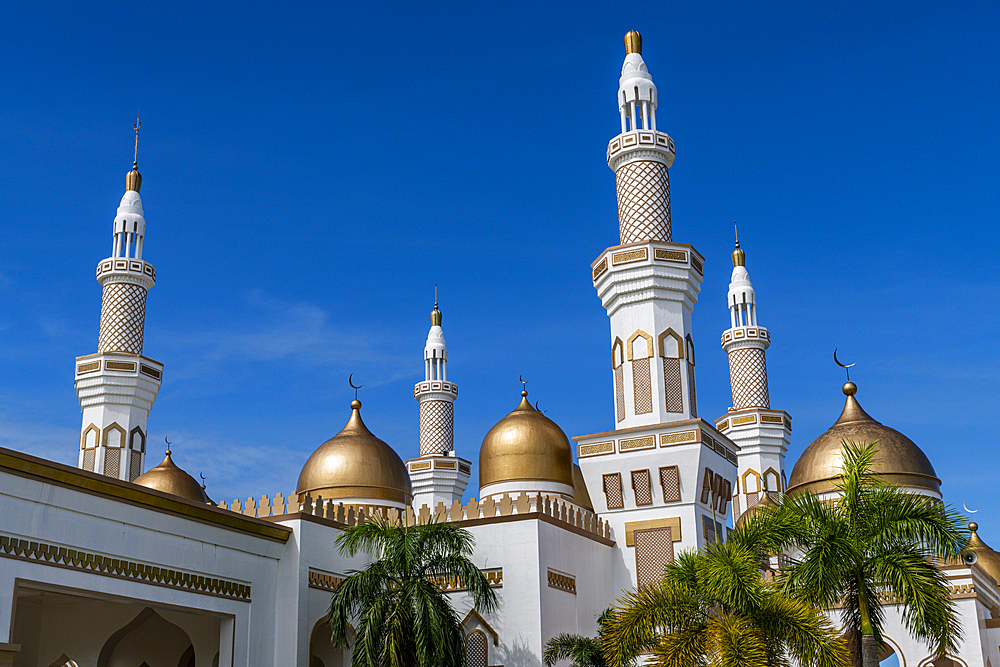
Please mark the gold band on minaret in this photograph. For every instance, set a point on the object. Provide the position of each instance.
(633, 42)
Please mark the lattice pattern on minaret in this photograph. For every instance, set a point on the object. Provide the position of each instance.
(642, 391)
(674, 395)
(748, 378)
(436, 427)
(619, 393)
(692, 392)
(123, 317)
(643, 202)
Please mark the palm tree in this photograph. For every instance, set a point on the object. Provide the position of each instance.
(583, 651)
(873, 543)
(403, 617)
(713, 607)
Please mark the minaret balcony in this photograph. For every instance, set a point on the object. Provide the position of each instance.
(639, 271)
(757, 429)
(117, 377)
(442, 390)
(641, 145)
(126, 270)
(746, 337)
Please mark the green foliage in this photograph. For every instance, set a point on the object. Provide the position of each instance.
(874, 540)
(402, 618)
(713, 608)
(583, 651)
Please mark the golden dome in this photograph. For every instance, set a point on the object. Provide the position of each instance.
(739, 257)
(766, 499)
(580, 493)
(899, 460)
(133, 180)
(525, 445)
(633, 42)
(167, 477)
(986, 558)
(355, 464)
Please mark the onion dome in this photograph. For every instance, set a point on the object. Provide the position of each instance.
(739, 257)
(898, 460)
(355, 465)
(167, 477)
(977, 552)
(765, 499)
(133, 180)
(526, 446)
(580, 493)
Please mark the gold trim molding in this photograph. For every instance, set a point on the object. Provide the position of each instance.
(25, 465)
(48, 554)
(672, 522)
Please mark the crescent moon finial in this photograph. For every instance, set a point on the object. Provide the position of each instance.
(168, 444)
(350, 381)
(524, 384)
(966, 508)
(846, 367)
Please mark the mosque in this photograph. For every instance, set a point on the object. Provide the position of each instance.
(115, 563)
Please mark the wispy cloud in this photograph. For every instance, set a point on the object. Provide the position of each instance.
(299, 333)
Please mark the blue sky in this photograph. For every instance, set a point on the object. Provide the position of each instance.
(310, 173)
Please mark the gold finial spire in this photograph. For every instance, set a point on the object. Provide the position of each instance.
(435, 314)
(633, 42)
(133, 180)
(136, 126)
(739, 257)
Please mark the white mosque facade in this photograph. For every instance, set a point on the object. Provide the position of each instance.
(106, 565)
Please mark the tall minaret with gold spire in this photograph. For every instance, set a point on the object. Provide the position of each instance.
(648, 284)
(763, 434)
(437, 476)
(117, 386)
(662, 479)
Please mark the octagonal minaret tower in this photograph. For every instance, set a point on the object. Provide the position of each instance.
(117, 386)
(648, 284)
(763, 434)
(437, 476)
(663, 478)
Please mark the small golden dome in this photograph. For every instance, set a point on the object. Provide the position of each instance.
(766, 499)
(525, 445)
(167, 477)
(739, 257)
(435, 316)
(133, 180)
(633, 42)
(899, 460)
(580, 493)
(986, 558)
(355, 464)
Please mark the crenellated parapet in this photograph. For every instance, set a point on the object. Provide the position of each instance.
(536, 506)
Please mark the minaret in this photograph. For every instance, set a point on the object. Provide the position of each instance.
(117, 386)
(648, 284)
(437, 476)
(663, 477)
(763, 434)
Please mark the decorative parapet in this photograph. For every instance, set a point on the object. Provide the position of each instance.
(327, 581)
(557, 510)
(562, 581)
(49, 554)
